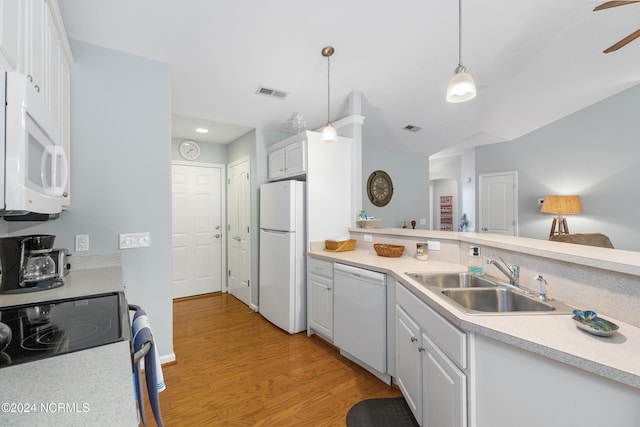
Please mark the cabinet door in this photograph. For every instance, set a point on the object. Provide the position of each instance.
(295, 158)
(276, 164)
(320, 309)
(9, 34)
(35, 53)
(408, 365)
(444, 389)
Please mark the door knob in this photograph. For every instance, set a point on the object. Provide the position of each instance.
(217, 227)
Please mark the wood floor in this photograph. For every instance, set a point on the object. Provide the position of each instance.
(234, 368)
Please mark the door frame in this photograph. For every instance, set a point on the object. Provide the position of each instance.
(516, 220)
(223, 212)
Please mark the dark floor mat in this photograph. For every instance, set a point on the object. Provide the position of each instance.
(384, 412)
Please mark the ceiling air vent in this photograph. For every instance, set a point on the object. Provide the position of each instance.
(412, 128)
(273, 93)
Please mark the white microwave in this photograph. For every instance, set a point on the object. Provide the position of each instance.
(33, 162)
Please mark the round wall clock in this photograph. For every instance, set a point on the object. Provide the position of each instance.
(189, 150)
(379, 188)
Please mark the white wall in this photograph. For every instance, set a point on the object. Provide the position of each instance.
(593, 153)
(121, 173)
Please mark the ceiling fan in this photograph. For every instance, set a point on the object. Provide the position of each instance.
(630, 37)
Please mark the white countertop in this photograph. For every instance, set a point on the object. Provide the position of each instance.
(551, 335)
(86, 388)
(77, 283)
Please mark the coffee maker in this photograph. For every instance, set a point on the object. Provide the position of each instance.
(30, 263)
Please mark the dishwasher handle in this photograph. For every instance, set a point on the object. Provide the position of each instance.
(359, 273)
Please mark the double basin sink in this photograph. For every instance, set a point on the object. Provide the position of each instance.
(484, 295)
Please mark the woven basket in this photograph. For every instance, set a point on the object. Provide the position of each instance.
(391, 251)
(341, 246)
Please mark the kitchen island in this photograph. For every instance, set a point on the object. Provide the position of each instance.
(520, 364)
(87, 387)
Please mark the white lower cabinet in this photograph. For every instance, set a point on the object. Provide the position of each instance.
(431, 363)
(320, 298)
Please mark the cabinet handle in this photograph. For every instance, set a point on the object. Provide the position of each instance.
(37, 88)
(328, 288)
(414, 339)
(217, 236)
(420, 348)
(29, 78)
(65, 194)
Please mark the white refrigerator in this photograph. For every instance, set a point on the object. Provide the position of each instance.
(282, 296)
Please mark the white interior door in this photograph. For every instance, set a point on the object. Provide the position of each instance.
(499, 203)
(197, 229)
(239, 236)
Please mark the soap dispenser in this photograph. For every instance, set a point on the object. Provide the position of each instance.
(475, 261)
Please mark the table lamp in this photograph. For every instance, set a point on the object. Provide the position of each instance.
(561, 205)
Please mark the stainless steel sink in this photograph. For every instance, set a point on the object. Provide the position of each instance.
(451, 280)
(496, 300)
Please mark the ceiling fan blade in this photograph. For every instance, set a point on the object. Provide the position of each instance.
(631, 37)
(608, 4)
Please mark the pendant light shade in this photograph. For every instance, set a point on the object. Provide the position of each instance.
(329, 134)
(462, 87)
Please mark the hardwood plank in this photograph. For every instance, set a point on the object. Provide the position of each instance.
(235, 368)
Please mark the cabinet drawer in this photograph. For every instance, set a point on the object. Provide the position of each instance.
(448, 337)
(323, 268)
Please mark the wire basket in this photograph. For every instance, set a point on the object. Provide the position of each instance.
(391, 251)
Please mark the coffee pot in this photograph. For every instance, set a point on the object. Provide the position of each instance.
(27, 264)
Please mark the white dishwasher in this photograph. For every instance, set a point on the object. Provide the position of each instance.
(360, 314)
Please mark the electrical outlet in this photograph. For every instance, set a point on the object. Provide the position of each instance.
(474, 251)
(82, 242)
(368, 238)
(423, 221)
(540, 201)
(434, 245)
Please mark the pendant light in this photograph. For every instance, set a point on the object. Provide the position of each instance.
(329, 134)
(461, 87)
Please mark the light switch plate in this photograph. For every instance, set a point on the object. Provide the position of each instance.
(134, 240)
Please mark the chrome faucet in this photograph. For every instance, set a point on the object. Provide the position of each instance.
(511, 271)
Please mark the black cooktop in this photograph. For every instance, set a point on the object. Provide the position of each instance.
(47, 329)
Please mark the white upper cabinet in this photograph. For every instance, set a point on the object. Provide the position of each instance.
(10, 18)
(286, 161)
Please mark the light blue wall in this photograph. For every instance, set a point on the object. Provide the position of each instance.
(210, 152)
(410, 175)
(121, 173)
(594, 153)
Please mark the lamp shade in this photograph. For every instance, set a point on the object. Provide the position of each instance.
(562, 205)
(329, 134)
(462, 87)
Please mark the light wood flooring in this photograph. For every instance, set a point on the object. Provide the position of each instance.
(234, 368)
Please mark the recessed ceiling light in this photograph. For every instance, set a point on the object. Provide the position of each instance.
(202, 130)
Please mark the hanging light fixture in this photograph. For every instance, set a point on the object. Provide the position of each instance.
(329, 134)
(461, 87)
